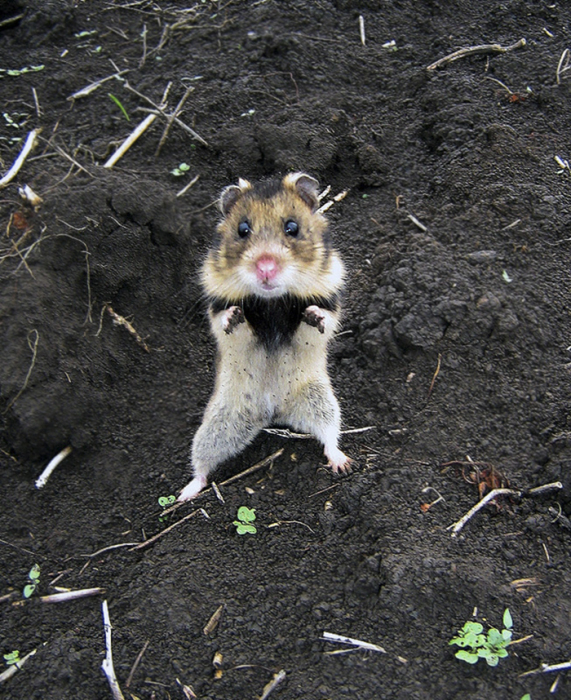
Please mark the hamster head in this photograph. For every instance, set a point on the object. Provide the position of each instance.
(272, 242)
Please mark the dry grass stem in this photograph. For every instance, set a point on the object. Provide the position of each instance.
(19, 162)
(146, 543)
(130, 140)
(187, 187)
(11, 670)
(88, 89)
(136, 664)
(45, 475)
(119, 320)
(107, 664)
(472, 50)
(34, 348)
(563, 65)
(71, 595)
(456, 527)
(273, 684)
(340, 639)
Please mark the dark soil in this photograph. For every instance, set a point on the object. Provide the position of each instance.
(455, 347)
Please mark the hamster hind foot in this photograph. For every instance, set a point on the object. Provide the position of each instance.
(192, 489)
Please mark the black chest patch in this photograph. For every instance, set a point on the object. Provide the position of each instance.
(275, 321)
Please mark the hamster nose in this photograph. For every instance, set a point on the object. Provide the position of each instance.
(266, 268)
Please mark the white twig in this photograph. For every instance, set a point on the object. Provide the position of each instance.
(45, 475)
(418, 223)
(71, 595)
(471, 50)
(563, 65)
(30, 143)
(107, 664)
(456, 527)
(273, 684)
(187, 187)
(545, 668)
(339, 639)
(88, 89)
(362, 30)
(130, 140)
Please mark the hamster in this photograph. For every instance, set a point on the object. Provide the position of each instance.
(272, 284)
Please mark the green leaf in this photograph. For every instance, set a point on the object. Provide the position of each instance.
(474, 627)
(34, 574)
(495, 637)
(12, 658)
(246, 515)
(508, 622)
(485, 653)
(502, 653)
(184, 167)
(466, 656)
(29, 590)
(118, 103)
(507, 635)
(492, 660)
(244, 528)
(165, 501)
(527, 696)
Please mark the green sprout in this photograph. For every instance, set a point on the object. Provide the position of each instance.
(34, 578)
(246, 516)
(12, 658)
(14, 73)
(165, 502)
(180, 170)
(118, 103)
(476, 645)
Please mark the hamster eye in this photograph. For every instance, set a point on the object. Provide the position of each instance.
(244, 229)
(291, 228)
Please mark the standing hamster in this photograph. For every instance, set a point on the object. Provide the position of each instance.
(272, 284)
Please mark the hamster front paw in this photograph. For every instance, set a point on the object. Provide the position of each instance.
(339, 462)
(314, 316)
(231, 318)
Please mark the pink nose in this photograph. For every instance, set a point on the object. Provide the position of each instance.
(266, 268)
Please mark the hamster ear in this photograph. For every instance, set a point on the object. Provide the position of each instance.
(305, 187)
(230, 195)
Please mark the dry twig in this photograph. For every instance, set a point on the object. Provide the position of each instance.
(456, 527)
(107, 664)
(471, 50)
(45, 475)
(130, 140)
(28, 145)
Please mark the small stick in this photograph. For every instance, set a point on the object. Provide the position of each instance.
(34, 349)
(146, 543)
(144, 56)
(71, 595)
(362, 30)
(339, 639)
(130, 140)
(435, 375)
(545, 668)
(171, 118)
(107, 664)
(471, 50)
(84, 92)
(273, 684)
(30, 143)
(456, 527)
(45, 475)
(108, 549)
(187, 187)
(37, 103)
(562, 66)
(416, 222)
(137, 662)
(121, 321)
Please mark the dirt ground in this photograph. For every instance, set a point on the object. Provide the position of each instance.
(454, 351)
